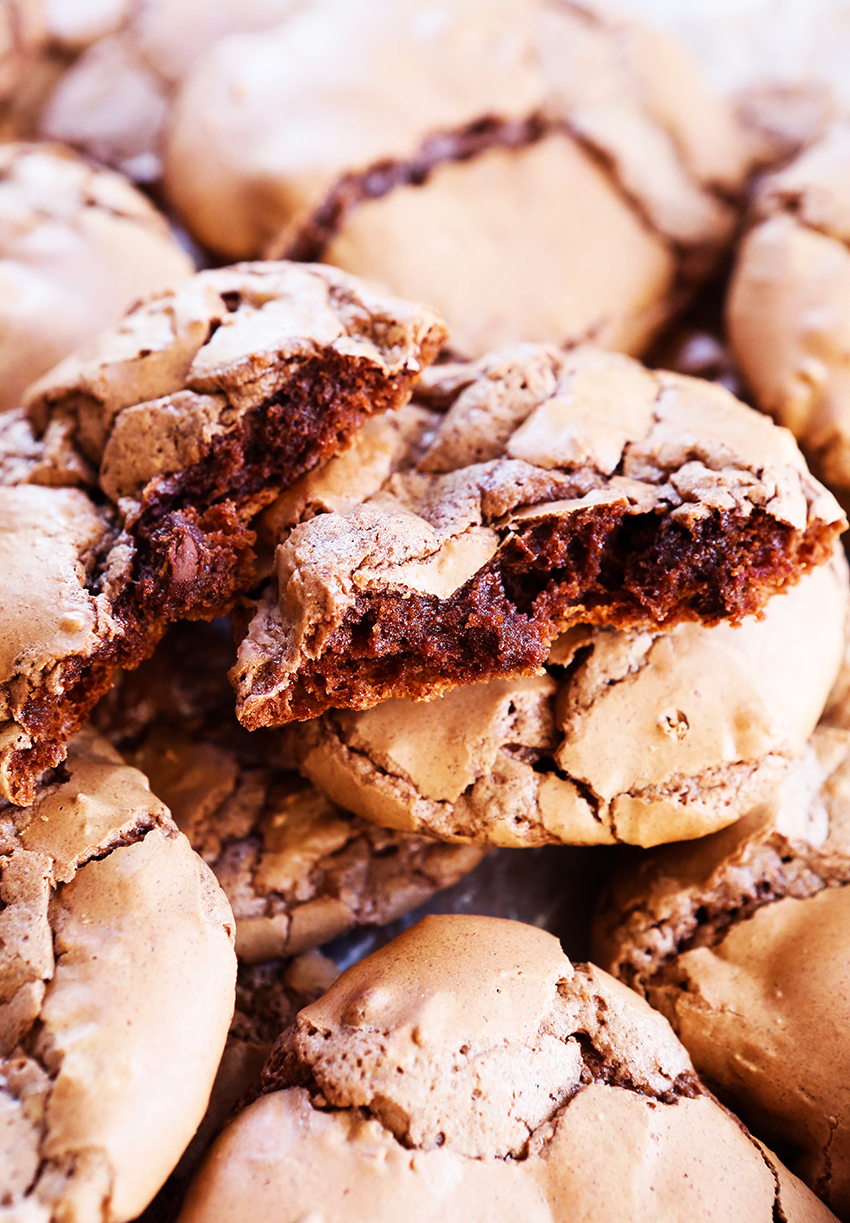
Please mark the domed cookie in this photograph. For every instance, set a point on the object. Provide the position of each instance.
(117, 991)
(788, 300)
(643, 737)
(114, 100)
(560, 489)
(268, 997)
(197, 410)
(297, 869)
(78, 246)
(469, 1070)
(741, 941)
(537, 170)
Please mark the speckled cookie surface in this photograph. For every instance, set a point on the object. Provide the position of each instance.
(521, 166)
(788, 298)
(639, 737)
(78, 246)
(742, 943)
(190, 415)
(117, 991)
(469, 1070)
(559, 489)
(297, 869)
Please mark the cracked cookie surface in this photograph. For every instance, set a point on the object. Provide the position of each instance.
(642, 737)
(190, 415)
(469, 1070)
(297, 869)
(117, 990)
(559, 489)
(384, 144)
(742, 943)
(79, 245)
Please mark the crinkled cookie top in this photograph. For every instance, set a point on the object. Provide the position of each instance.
(535, 444)
(150, 396)
(468, 1069)
(390, 89)
(117, 971)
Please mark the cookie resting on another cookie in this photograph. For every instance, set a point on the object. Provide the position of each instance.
(78, 246)
(297, 870)
(537, 170)
(742, 942)
(469, 1071)
(642, 737)
(118, 970)
(787, 309)
(194, 412)
(560, 489)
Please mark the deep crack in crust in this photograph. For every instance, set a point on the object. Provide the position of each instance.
(297, 869)
(89, 874)
(469, 1061)
(795, 843)
(742, 945)
(195, 412)
(559, 490)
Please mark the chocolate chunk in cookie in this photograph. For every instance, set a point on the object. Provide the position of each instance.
(190, 416)
(559, 490)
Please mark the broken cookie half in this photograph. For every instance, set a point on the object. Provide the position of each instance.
(184, 421)
(560, 489)
(636, 736)
(117, 976)
(469, 1070)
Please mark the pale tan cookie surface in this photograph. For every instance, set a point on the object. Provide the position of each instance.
(469, 1070)
(113, 102)
(788, 302)
(559, 489)
(637, 737)
(78, 246)
(117, 992)
(537, 170)
(297, 869)
(742, 942)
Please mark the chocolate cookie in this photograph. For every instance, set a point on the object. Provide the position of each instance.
(741, 941)
(560, 489)
(194, 413)
(469, 1070)
(114, 99)
(297, 869)
(787, 306)
(538, 170)
(641, 737)
(78, 246)
(117, 971)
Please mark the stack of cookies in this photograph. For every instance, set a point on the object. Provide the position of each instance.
(319, 603)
